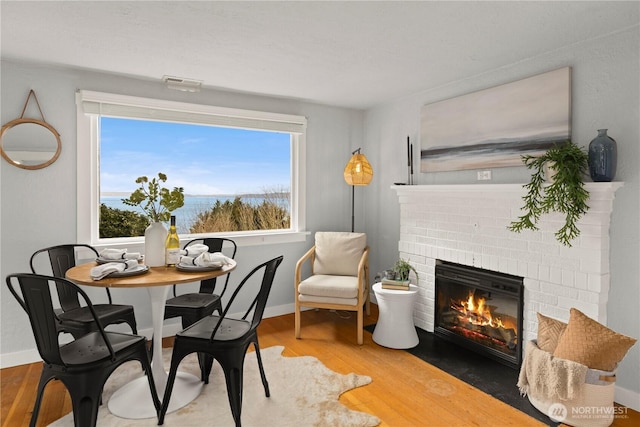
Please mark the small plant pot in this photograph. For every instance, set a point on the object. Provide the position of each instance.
(389, 274)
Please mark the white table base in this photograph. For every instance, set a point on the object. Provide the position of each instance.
(133, 400)
(395, 328)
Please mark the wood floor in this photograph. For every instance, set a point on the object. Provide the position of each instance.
(405, 391)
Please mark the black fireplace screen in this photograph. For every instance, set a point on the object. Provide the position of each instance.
(480, 310)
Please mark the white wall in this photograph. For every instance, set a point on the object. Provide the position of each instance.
(605, 94)
(38, 208)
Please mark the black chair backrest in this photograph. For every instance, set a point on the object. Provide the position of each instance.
(215, 244)
(260, 301)
(62, 258)
(35, 299)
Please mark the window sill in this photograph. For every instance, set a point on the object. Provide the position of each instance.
(136, 244)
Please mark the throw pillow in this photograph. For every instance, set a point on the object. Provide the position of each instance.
(549, 332)
(592, 344)
(338, 253)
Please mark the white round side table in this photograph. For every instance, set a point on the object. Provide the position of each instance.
(395, 328)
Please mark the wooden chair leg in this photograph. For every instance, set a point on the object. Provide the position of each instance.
(360, 326)
(297, 320)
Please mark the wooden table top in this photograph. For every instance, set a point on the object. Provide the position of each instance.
(156, 276)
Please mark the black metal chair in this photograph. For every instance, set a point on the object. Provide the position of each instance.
(192, 307)
(83, 365)
(227, 339)
(72, 317)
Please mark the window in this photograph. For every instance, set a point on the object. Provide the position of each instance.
(221, 157)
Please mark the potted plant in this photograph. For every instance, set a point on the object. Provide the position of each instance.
(157, 203)
(564, 194)
(398, 276)
(402, 269)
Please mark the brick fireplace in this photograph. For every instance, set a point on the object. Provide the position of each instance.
(467, 224)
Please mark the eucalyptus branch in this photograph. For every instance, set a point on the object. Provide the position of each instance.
(566, 194)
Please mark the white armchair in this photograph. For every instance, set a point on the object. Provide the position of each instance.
(339, 277)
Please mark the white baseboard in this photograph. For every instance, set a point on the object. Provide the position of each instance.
(8, 360)
(628, 398)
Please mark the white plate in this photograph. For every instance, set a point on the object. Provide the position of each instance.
(194, 268)
(101, 260)
(140, 269)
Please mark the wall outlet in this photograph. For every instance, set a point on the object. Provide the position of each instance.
(484, 175)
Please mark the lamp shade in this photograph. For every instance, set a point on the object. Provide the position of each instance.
(358, 171)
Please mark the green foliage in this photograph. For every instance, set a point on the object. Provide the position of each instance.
(237, 215)
(156, 202)
(566, 194)
(403, 268)
(121, 223)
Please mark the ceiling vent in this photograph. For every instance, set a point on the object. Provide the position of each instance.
(179, 83)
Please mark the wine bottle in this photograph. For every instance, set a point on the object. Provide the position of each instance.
(172, 245)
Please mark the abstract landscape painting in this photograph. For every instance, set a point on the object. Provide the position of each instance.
(494, 127)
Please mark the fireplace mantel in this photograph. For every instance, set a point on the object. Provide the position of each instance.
(592, 187)
(467, 224)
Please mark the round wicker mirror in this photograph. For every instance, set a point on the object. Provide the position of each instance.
(29, 143)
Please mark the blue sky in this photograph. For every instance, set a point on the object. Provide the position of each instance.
(205, 160)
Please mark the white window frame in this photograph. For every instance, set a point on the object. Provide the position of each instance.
(89, 106)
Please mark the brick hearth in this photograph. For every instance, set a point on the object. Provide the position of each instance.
(467, 224)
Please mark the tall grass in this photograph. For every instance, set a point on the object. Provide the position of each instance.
(236, 215)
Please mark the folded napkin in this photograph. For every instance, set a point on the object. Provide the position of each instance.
(206, 259)
(114, 254)
(194, 250)
(101, 271)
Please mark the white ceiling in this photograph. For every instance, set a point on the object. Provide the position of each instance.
(349, 53)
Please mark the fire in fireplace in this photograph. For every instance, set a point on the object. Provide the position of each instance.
(480, 310)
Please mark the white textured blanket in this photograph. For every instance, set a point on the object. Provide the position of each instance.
(544, 376)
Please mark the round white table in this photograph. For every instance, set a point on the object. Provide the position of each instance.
(395, 328)
(134, 400)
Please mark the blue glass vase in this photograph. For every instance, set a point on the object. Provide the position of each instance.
(603, 156)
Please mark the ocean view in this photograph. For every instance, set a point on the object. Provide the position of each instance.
(186, 215)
